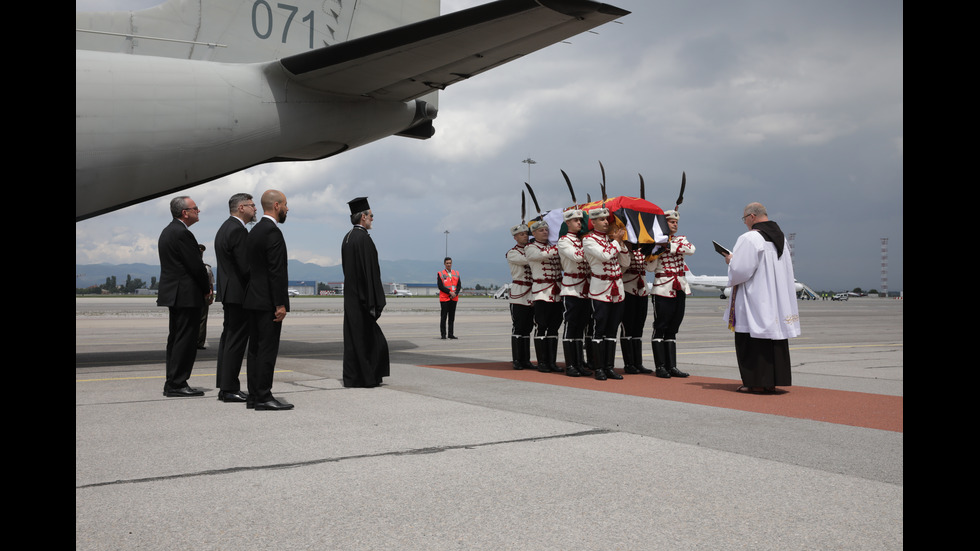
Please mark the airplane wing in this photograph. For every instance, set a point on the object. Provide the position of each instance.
(408, 62)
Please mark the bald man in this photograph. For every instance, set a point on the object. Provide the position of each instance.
(266, 300)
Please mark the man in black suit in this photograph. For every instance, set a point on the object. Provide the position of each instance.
(184, 289)
(229, 248)
(266, 300)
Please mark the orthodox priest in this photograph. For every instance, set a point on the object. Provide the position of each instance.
(365, 347)
(762, 309)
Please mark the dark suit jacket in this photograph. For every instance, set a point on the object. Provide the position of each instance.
(268, 282)
(183, 278)
(229, 248)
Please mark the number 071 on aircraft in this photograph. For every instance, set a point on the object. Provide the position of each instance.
(192, 90)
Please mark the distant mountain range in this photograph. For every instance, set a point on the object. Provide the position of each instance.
(487, 274)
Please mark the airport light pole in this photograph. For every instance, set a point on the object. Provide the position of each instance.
(447, 242)
(529, 161)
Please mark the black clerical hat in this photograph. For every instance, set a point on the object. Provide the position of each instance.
(359, 204)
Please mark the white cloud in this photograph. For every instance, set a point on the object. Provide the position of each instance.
(792, 104)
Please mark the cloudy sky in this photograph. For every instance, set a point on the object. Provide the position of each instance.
(797, 104)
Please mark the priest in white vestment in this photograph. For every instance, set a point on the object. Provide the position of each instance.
(762, 309)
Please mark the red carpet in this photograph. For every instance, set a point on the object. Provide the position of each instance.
(859, 409)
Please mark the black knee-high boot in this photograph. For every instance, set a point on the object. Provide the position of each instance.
(671, 347)
(583, 369)
(553, 354)
(526, 352)
(571, 359)
(637, 344)
(515, 351)
(629, 362)
(660, 359)
(598, 349)
(541, 354)
(611, 359)
(590, 355)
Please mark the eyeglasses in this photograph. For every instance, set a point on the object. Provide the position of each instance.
(250, 205)
(747, 215)
(192, 208)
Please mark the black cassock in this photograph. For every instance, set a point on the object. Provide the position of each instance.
(365, 347)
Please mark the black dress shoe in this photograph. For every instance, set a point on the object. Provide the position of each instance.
(236, 396)
(452, 337)
(272, 405)
(182, 392)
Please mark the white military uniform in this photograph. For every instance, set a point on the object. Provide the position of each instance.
(669, 290)
(634, 313)
(545, 271)
(546, 299)
(576, 272)
(606, 262)
(578, 307)
(520, 276)
(634, 280)
(521, 311)
(668, 268)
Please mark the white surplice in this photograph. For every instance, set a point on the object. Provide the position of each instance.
(764, 289)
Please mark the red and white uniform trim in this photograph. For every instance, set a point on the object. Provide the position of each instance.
(545, 271)
(575, 279)
(520, 275)
(634, 280)
(606, 262)
(668, 268)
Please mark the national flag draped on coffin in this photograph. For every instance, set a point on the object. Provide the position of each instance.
(645, 222)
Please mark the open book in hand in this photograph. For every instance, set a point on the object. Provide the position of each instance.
(721, 250)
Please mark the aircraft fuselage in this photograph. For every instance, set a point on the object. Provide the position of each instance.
(172, 123)
(192, 90)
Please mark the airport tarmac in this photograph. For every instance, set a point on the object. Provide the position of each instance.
(459, 451)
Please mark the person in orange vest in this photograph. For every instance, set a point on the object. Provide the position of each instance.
(449, 286)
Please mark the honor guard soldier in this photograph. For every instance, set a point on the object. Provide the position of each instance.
(521, 311)
(607, 256)
(634, 312)
(574, 294)
(545, 295)
(670, 290)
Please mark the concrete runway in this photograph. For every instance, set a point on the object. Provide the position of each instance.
(457, 451)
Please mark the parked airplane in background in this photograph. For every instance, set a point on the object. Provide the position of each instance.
(398, 290)
(708, 283)
(192, 90)
(720, 284)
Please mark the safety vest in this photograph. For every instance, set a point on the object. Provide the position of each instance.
(450, 280)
